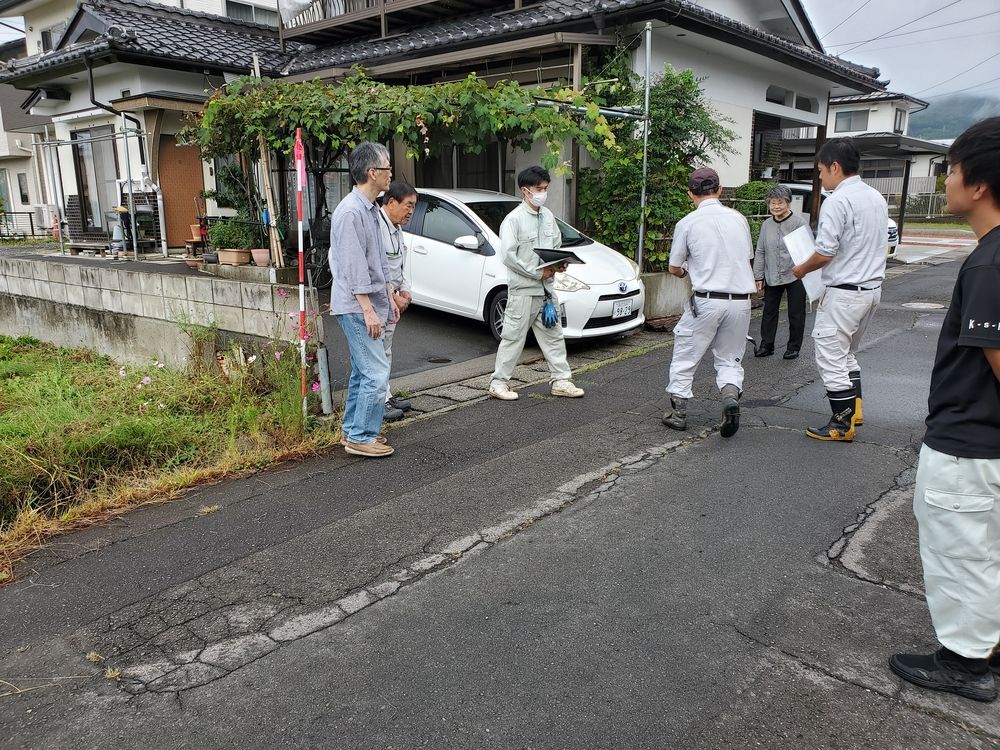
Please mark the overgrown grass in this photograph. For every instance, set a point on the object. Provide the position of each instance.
(916, 226)
(82, 437)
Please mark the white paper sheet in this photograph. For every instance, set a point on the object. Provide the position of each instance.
(801, 246)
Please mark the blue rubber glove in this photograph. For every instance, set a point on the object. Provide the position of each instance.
(550, 316)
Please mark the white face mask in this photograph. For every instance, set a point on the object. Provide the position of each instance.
(538, 199)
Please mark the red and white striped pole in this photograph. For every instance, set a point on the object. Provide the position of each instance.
(300, 173)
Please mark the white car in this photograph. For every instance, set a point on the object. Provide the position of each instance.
(453, 265)
(804, 191)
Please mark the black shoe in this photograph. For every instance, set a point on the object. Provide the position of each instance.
(995, 664)
(399, 403)
(392, 415)
(790, 354)
(764, 350)
(730, 417)
(942, 671)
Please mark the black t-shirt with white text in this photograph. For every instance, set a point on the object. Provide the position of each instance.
(964, 405)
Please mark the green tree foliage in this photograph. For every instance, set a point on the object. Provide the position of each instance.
(466, 114)
(685, 131)
(750, 199)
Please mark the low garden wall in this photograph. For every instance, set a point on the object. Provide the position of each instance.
(135, 315)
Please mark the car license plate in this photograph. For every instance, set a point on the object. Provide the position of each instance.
(621, 308)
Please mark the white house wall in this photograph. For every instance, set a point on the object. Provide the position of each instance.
(881, 117)
(735, 82)
(43, 18)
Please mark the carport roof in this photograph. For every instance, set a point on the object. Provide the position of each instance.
(882, 145)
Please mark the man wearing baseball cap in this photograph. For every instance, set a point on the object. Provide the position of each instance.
(713, 245)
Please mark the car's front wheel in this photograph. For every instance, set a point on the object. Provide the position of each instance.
(494, 313)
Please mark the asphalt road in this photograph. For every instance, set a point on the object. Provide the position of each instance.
(538, 574)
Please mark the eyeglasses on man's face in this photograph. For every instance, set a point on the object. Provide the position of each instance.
(382, 169)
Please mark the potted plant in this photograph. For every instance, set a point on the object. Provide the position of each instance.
(233, 240)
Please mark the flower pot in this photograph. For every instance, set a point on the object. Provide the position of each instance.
(232, 257)
(193, 262)
(261, 256)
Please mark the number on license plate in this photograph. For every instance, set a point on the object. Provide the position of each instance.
(621, 308)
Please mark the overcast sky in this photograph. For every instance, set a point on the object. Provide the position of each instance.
(926, 48)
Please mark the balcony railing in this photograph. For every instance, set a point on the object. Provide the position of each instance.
(322, 10)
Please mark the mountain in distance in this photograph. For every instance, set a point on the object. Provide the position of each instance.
(948, 116)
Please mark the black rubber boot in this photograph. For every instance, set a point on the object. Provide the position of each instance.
(730, 411)
(840, 428)
(859, 414)
(676, 418)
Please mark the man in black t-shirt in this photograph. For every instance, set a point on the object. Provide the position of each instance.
(957, 495)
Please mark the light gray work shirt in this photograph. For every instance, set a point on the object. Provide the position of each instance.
(772, 263)
(395, 252)
(357, 257)
(853, 223)
(520, 233)
(715, 243)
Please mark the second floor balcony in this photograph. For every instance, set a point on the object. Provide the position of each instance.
(341, 19)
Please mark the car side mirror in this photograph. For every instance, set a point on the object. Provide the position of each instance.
(467, 242)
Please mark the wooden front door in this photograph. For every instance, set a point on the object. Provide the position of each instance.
(181, 180)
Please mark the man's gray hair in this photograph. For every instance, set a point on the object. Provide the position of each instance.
(364, 157)
(779, 193)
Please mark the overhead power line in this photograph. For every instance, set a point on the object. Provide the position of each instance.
(962, 73)
(845, 20)
(967, 88)
(880, 36)
(919, 31)
(936, 40)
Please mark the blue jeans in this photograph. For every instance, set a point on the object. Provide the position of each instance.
(365, 404)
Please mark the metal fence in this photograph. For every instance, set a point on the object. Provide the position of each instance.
(920, 205)
(21, 224)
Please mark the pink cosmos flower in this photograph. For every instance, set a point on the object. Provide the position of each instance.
(122, 372)
(147, 380)
(277, 355)
(282, 292)
(315, 386)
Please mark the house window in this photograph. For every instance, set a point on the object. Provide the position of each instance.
(900, 124)
(95, 159)
(22, 187)
(880, 168)
(246, 12)
(851, 122)
(4, 191)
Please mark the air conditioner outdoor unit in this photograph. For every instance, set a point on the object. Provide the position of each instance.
(43, 217)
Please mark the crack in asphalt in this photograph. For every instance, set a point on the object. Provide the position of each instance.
(236, 632)
(894, 696)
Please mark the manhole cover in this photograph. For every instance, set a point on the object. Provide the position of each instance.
(438, 360)
(923, 305)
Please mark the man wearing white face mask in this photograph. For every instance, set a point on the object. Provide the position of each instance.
(528, 227)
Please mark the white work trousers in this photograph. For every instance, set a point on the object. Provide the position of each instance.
(387, 331)
(523, 315)
(721, 324)
(957, 505)
(842, 318)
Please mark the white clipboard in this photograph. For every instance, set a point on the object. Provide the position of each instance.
(801, 246)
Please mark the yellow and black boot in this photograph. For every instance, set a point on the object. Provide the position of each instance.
(841, 425)
(859, 414)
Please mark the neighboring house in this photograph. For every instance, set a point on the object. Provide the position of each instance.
(879, 122)
(22, 187)
(762, 63)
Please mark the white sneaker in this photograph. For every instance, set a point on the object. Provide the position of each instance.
(565, 388)
(500, 390)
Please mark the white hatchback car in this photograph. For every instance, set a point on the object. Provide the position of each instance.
(453, 265)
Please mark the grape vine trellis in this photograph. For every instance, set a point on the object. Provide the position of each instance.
(465, 114)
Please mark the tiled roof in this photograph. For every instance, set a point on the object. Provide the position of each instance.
(557, 15)
(878, 96)
(133, 28)
(137, 30)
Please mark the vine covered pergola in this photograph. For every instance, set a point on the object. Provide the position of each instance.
(427, 120)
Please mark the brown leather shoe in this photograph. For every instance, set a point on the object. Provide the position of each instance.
(378, 439)
(374, 449)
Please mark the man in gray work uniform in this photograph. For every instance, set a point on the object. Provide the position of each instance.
(713, 244)
(851, 251)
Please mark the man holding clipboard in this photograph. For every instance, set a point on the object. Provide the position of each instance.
(529, 247)
(850, 250)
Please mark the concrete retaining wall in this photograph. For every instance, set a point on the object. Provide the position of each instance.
(135, 316)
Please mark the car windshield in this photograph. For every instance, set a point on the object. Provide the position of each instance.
(493, 213)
